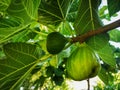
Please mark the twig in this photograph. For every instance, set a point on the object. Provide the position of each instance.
(88, 82)
(91, 33)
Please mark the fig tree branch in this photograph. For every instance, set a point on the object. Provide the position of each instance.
(100, 30)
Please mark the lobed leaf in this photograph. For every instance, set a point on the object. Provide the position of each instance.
(21, 60)
(10, 27)
(88, 19)
(87, 16)
(20, 14)
(98, 42)
(4, 4)
(26, 10)
(54, 11)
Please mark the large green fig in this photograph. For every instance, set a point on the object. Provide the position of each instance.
(55, 42)
(82, 63)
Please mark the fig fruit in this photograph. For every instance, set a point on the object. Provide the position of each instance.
(82, 63)
(55, 42)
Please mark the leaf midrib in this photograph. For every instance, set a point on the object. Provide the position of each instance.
(27, 54)
(18, 70)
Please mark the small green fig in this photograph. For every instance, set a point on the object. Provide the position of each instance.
(55, 42)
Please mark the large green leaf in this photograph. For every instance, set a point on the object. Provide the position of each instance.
(98, 42)
(113, 6)
(21, 59)
(4, 5)
(106, 54)
(87, 20)
(20, 14)
(24, 36)
(26, 10)
(31, 7)
(53, 11)
(87, 17)
(115, 35)
(10, 27)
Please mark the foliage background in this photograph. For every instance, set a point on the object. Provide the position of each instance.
(24, 26)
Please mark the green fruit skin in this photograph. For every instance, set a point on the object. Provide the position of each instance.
(82, 63)
(55, 42)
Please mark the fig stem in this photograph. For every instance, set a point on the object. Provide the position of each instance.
(88, 83)
(68, 45)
